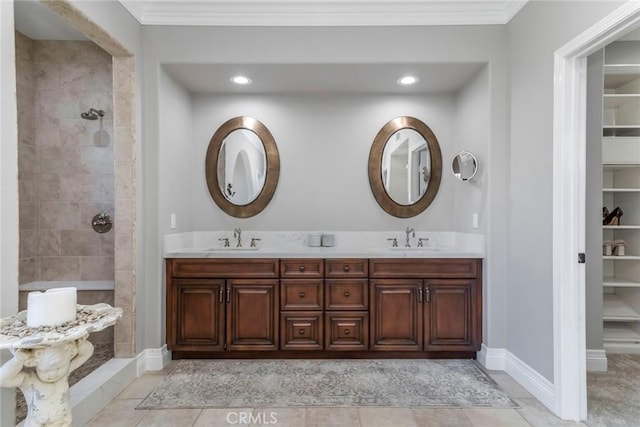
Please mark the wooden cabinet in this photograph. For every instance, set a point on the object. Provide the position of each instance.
(428, 313)
(222, 313)
(297, 307)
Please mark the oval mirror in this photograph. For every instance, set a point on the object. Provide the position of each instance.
(405, 167)
(464, 165)
(242, 167)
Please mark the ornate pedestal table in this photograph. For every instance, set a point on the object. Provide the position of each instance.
(43, 357)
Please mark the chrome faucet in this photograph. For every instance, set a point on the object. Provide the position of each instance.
(409, 231)
(225, 240)
(237, 233)
(421, 241)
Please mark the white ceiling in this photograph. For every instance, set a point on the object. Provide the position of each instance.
(322, 78)
(37, 22)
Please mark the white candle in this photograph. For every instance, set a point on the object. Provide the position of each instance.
(52, 307)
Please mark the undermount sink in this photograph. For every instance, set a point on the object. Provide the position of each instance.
(224, 249)
(417, 249)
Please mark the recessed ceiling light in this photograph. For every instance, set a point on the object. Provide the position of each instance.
(241, 80)
(408, 80)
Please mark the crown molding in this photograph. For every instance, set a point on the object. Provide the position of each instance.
(323, 12)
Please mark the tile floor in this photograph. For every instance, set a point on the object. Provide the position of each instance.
(121, 412)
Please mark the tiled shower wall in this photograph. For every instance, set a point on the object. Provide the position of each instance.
(66, 163)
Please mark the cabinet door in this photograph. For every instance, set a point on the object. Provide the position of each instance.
(452, 315)
(198, 310)
(347, 330)
(252, 314)
(396, 314)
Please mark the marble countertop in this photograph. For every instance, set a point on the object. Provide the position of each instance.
(346, 245)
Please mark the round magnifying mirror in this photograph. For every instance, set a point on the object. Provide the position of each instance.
(464, 165)
(242, 167)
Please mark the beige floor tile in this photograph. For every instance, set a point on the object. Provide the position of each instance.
(280, 417)
(141, 387)
(169, 418)
(538, 415)
(510, 386)
(482, 417)
(222, 417)
(387, 417)
(440, 417)
(332, 417)
(119, 413)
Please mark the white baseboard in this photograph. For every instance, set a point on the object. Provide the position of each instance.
(491, 358)
(152, 359)
(541, 388)
(596, 361)
(501, 359)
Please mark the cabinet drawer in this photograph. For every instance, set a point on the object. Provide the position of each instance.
(424, 268)
(346, 294)
(223, 268)
(302, 268)
(346, 267)
(346, 331)
(301, 294)
(301, 330)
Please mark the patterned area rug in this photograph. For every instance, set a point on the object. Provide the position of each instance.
(613, 397)
(285, 383)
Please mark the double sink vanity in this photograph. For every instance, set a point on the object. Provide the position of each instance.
(361, 298)
(362, 294)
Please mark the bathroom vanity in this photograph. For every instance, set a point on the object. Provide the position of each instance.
(384, 305)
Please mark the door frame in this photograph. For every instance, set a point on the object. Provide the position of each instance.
(569, 174)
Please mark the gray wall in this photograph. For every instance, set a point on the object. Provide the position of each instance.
(593, 243)
(534, 35)
(324, 143)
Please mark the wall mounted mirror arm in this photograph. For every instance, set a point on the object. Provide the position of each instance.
(242, 167)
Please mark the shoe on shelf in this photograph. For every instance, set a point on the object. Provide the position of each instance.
(607, 248)
(619, 247)
(605, 213)
(613, 218)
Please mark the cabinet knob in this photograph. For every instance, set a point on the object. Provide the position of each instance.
(301, 294)
(301, 332)
(346, 268)
(347, 294)
(347, 332)
(302, 268)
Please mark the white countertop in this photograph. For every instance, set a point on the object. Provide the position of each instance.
(286, 244)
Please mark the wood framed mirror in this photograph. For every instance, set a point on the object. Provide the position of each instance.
(242, 167)
(405, 167)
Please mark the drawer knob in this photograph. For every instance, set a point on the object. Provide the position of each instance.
(347, 332)
(347, 294)
(346, 268)
(301, 332)
(302, 268)
(301, 294)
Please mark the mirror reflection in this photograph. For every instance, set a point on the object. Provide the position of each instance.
(464, 166)
(242, 164)
(242, 167)
(406, 166)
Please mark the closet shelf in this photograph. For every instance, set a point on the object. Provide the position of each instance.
(619, 332)
(621, 190)
(619, 283)
(615, 309)
(621, 227)
(622, 258)
(616, 69)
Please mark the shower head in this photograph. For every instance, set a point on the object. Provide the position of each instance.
(92, 114)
